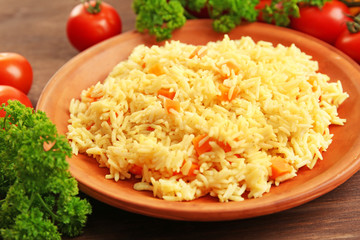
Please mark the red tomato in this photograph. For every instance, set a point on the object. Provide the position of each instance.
(15, 71)
(325, 23)
(11, 93)
(85, 29)
(349, 43)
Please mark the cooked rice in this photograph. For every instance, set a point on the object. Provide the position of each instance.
(283, 109)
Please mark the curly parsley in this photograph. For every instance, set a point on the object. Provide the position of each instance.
(37, 192)
(161, 17)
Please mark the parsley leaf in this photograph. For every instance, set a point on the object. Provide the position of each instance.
(227, 14)
(38, 194)
(161, 17)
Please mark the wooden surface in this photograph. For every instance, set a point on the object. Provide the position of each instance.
(36, 29)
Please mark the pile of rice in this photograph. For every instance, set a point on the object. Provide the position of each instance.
(282, 108)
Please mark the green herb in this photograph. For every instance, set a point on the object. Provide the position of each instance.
(38, 194)
(318, 3)
(161, 17)
(92, 8)
(227, 14)
(279, 12)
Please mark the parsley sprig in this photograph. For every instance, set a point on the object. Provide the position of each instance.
(37, 192)
(161, 17)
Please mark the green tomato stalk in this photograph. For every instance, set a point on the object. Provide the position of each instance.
(354, 27)
(92, 8)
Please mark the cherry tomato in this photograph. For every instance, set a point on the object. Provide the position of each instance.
(325, 23)
(91, 23)
(349, 43)
(11, 93)
(16, 71)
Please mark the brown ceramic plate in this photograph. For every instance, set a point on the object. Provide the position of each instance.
(340, 162)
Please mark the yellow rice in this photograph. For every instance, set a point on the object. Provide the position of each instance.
(284, 108)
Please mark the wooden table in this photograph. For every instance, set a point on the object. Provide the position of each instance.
(36, 29)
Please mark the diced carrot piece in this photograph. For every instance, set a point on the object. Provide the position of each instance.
(202, 144)
(88, 95)
(89, 92)
(312, 79)
(225, 146)
(109, 120)
(156, 69)
(94, 99)
(199, 51)
(150, 129)
(89, 127)
(225, 92)
(143, 65)
(166, 93)
(320, 150)
(235, 93)
(171, 104)
(224, 96)
(279, 167)
(194, 166)
(233, 66)
(136, 169)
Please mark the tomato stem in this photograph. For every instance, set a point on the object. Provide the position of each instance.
(354, 27)
(92, 8)
(351, 3)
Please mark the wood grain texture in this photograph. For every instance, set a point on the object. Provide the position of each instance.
(36, 29)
